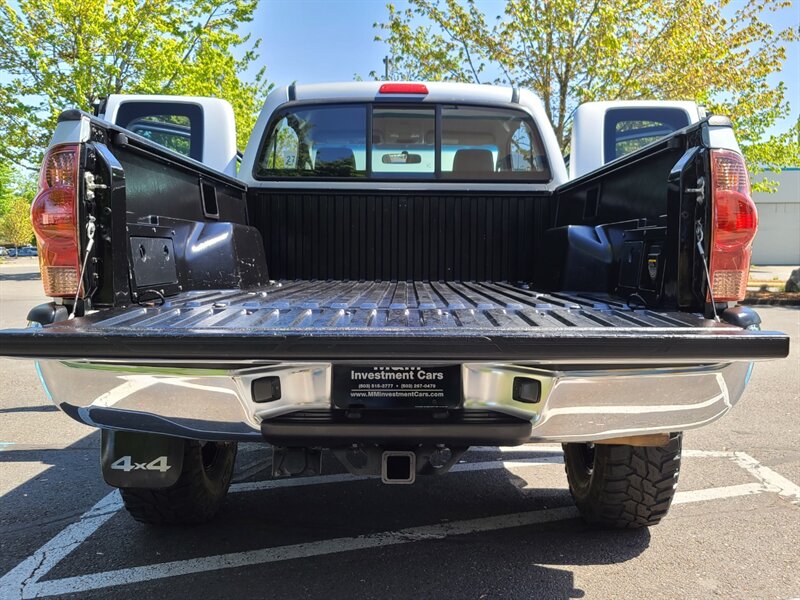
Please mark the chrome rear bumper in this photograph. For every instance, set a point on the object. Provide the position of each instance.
(216, 404)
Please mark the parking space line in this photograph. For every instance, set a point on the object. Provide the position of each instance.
(93, 581)
(307, 550)
(774, 480)
(531, 447)
(719, 493)
(269, 484)
(13, 583)
(785, 488)
(24, 580)
(706, 454)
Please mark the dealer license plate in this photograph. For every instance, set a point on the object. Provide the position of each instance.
(396, 387)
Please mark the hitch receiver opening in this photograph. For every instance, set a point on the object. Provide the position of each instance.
(398, 467)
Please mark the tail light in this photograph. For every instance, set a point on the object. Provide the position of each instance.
(734, 226)
(54, 213)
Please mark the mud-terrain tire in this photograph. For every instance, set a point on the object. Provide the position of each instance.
(197, 495)
(619, 487)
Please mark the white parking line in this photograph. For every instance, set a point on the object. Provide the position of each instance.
(36, 566)
(531, 447)
(764, 474)
(24, 581)
(718, 493)
(234, 560)
(785, 488)
(83, 583)
(706, 454)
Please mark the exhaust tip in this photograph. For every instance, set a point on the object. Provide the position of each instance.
(398, 467)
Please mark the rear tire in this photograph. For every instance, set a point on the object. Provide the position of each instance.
(619, 487)
(198, 494)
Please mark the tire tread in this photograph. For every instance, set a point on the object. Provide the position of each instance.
(631, 487)
(190, 501)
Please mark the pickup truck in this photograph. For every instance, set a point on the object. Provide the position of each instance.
(390, 274)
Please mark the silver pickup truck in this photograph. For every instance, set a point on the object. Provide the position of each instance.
(394, 272)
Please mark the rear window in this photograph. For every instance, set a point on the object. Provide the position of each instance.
(325, 141)
(176, 126)
(628, 129)
(403, 142)
(172, 131)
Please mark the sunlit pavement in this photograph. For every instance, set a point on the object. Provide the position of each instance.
(502, 525)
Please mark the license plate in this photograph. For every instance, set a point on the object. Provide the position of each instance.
(396, 387)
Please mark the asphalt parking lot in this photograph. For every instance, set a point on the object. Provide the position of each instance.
(502, 525)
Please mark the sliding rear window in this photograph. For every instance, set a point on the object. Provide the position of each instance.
(628, 129)
(403, 142)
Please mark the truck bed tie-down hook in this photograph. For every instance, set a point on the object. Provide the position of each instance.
(698, 228)
(90, 229)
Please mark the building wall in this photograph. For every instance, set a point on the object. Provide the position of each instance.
(778, 239)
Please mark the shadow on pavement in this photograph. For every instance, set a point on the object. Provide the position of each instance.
(527, 562)
(66, 483)
(23, 409)
(27, 276)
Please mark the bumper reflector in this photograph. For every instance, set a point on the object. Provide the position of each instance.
(526, 390)
(266, 389)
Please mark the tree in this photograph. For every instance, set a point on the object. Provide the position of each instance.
(58, 54)
(15, 224)
(574, 51)
(6, 187)
(14, 184)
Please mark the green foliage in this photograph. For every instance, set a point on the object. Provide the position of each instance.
(58, 54)
(6, 187)
(15, 223)
(573, 51)
(13, 185)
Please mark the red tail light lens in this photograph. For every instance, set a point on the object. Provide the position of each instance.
(403, 88)
(735, 221)
(54, 213)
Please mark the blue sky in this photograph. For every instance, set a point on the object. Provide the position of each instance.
(332, 40)
(319, 40)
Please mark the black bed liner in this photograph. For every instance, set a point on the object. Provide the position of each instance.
(342, 306)
(341, 320)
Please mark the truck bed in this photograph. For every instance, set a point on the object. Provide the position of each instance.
(345, 320)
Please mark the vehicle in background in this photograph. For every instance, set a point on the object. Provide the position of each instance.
(192, 126)
(606, 131)
(21, 251)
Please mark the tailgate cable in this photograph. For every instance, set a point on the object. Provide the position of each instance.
(699, 235)
(90, 227)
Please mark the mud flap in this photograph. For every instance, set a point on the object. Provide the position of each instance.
(140, 460)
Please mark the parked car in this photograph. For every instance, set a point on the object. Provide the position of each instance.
(3, 251)
(22, 251)
(399, 271)
(27, 251)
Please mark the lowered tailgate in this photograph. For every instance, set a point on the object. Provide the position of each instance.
(340, 321)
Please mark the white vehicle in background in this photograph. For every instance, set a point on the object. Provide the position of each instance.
(606, 131)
